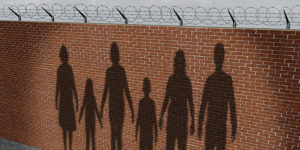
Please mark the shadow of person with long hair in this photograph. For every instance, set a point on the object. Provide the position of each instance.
(146, 120)
(116, 84)
(179, 95)
(65, 90)
(90, 107)
(218, 95)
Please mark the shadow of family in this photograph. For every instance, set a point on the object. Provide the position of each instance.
(217, 100)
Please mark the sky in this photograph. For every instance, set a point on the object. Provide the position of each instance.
(182, 3)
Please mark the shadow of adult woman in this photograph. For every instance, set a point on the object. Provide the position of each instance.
(179, 95)
(115, 85)
(65, 90)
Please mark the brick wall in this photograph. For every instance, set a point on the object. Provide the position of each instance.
(263, 65)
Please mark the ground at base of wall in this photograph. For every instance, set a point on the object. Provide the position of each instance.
(6, 144)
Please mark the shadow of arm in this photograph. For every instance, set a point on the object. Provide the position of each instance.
(191, 104)
(165, 104)
(57, 91)
(128, 95)
(232, 111)
(105, 91)
(204, 102)
(154, 122)
(137, 123)
(74, 90)
(96, 108)
(82, 108)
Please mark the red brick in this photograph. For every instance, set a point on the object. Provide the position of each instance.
(263, 64)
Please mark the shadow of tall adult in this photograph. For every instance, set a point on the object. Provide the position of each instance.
(146, 124)
(218, 95)
(65, 90)
(90, 107)
(179, 95)
(115, 85)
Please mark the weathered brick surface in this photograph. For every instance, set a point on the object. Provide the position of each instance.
(264, 65)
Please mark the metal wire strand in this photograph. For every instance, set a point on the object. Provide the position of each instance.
(192, 16)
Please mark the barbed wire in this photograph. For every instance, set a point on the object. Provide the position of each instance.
(191, 16)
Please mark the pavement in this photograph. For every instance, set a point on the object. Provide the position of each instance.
(6, 144)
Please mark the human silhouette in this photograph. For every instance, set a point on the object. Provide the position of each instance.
(90, 107)
(218, 95)
(179, 95)
(65, 90)
(146, 121)
(115, 85)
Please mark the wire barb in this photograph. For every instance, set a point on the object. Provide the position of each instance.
(179, 18)
(19, 17)
(84, 17)
(232, 18)
(123, 16)
(288, 25)
(52, 17)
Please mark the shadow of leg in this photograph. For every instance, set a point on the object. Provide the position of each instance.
(70, 140)
(87, 139)
(65, 139)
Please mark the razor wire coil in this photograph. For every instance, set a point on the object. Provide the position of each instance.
(191, 16)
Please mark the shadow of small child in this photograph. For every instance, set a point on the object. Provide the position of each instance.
(90, 107)
(146, 120)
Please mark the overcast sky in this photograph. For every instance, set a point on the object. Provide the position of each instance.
(169, 3)
(182, 3)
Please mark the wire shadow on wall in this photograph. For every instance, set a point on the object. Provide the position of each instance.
(146, 124)
(217, 96)
(179, 95)
(65, 90)
(91, 111)
(115, 85)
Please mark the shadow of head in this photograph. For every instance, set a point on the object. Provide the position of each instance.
(114, 53)
(146, 86)
(219, 54)
(179, 62)
(89, 86)
(63, 54)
